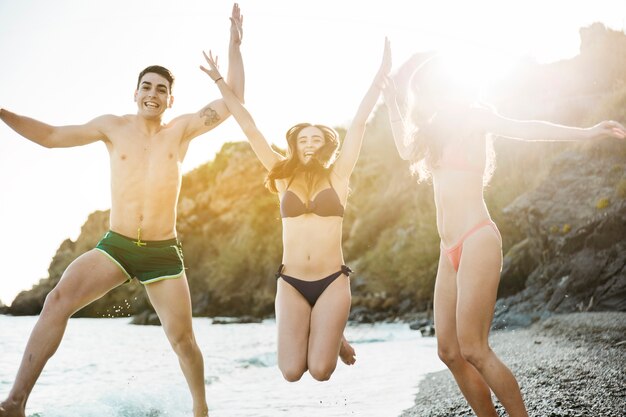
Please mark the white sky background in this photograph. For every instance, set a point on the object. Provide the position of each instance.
(68, 61)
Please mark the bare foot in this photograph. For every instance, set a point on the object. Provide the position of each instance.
(346, 352)
(11, 409)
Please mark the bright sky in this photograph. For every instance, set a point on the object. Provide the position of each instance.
(68, 61)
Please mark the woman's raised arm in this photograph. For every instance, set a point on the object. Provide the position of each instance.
(260, 145)
(354, 136)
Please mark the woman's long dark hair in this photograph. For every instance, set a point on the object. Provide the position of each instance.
(319, 166)
(428, 133)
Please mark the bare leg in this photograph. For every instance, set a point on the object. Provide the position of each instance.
(293, 315)
(88, 278)
(469, 380)
(172, 303)
(478, 279)
(328, 321)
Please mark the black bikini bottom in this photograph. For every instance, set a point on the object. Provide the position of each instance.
(311, 290)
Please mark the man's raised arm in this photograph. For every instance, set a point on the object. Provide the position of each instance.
(216, 112)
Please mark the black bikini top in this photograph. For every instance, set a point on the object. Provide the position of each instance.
(325, 204)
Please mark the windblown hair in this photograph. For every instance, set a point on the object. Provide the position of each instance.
(433, 125)
(157, 69)
(318, 168)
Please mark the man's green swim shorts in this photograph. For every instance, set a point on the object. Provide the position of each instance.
(149, 261)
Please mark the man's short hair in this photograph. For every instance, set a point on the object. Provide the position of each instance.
(157, 69)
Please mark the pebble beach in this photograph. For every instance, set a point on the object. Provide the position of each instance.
(567, 365)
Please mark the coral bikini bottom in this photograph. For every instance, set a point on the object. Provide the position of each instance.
(454, 252)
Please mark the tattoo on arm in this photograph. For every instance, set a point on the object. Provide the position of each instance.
(210, 116)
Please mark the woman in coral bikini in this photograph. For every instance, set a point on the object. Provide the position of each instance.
(313, 288)
(446, 139)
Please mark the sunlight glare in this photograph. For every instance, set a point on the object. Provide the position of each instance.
(474, 70)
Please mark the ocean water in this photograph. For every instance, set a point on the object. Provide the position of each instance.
(109, 368)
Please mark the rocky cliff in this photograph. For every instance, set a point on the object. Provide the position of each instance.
(573, 255)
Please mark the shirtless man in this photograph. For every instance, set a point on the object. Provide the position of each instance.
(146, 157)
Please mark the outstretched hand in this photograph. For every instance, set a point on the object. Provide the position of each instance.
(608, 128)
(236, 25)
(386, 82)
(213, 70)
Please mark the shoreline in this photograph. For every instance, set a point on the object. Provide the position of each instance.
(566, 365)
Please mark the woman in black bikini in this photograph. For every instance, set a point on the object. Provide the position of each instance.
(313, 289)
